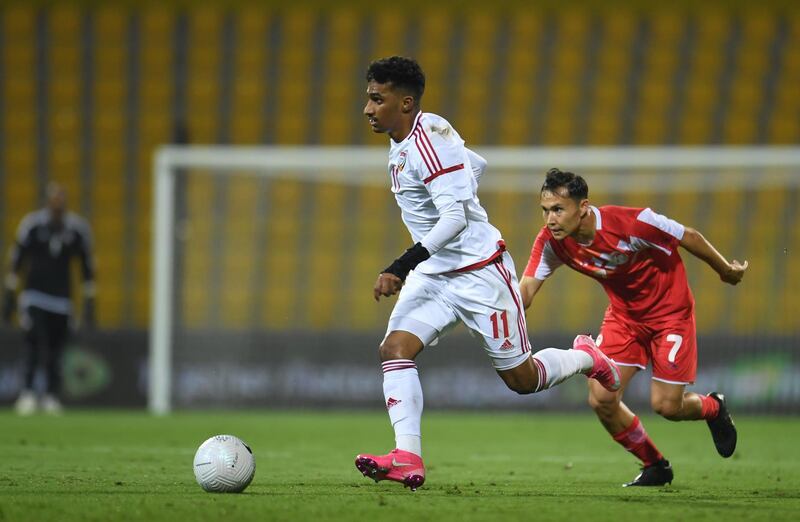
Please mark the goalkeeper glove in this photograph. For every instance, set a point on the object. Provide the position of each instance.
(408, 261)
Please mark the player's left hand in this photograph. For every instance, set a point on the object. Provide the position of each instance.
(734, 273)
(387, 285)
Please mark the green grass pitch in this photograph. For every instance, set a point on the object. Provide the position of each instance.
(102, 466)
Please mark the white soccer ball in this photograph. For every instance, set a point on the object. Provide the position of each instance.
(224, 464)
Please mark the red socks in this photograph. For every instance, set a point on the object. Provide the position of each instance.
(710, 407)
(635, 440)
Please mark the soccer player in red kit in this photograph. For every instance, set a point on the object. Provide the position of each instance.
(633, 253)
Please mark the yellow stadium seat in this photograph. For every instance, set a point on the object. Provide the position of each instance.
(712, 24)
(20, 124)
(667, 26)
(19, 57)
(784, 128)
(109, 162)
(391, 26)
(651, 128)
(758, 26)
(573, 25)
(249, 87)
(619, 27)
(568, 63)
(604, 128)
(753, 62)
(205, 19)
(695, 129)
(608, 94)
(662, 60)
(614, 62)
(110, 88)
(19, 22)
(156, 56)
(64, 21)
(111, 22)
(20, 172)
(656, 95)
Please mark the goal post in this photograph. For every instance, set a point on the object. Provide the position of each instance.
(513, 171)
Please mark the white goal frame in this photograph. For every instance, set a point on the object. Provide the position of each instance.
(334, 164)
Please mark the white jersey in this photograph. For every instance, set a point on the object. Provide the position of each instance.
(429, 169)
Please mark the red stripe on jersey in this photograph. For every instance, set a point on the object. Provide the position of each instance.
(426, 149)
(423, 154)
(426, 142)
(443, 172)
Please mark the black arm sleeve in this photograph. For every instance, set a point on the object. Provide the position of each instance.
(408, 261)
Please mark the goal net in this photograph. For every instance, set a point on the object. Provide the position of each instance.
(264, 260)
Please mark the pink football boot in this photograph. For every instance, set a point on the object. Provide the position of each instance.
(399, 466)
(603, 368)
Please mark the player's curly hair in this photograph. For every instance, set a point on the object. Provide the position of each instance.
(403, 73)
(575, 186)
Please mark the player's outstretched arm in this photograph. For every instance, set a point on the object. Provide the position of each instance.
(729, 272)
(528, 287)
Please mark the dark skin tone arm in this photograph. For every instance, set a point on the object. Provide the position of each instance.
(387, 285)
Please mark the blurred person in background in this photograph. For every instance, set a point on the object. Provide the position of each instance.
(633, 253)
(47, 241)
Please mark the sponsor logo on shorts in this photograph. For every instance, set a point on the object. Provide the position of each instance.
(506, 345)
(392, 402)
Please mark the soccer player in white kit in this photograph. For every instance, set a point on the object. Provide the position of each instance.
(456, 271)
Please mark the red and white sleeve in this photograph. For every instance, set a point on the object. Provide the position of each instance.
(543, 260)
(653, 230)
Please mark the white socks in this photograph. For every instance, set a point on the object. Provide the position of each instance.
(403, 394)
(556, 365)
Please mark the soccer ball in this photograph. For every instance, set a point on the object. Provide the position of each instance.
(224, 464)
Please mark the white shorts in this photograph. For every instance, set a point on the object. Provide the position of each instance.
(486, 300)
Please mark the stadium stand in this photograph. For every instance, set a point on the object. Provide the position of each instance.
(87, 93)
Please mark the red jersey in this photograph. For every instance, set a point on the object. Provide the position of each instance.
(634, 255)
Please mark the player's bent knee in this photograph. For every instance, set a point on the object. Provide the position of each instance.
(605, 403)
(670, 410)
(402, 346)
(522, 388)
(521, 379)
(389, 350)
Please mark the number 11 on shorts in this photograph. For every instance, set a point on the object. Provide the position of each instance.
(495, 324)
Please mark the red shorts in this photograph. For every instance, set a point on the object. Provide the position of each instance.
(669, 343)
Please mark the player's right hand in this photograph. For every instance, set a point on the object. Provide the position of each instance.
(387, 285)
(735, 272)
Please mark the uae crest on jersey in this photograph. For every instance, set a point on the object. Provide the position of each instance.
(402, 161)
